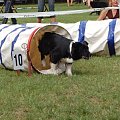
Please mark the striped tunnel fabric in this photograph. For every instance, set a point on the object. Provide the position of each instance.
(111, 45)
(101, 36)
(1, 43)
(10, 35)
(23, 39)
(82, 27)
(14, 41)
(110, 37)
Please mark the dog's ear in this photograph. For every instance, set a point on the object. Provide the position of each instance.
(85, 43)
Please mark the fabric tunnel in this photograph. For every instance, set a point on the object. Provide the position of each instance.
(25, 39)
(103, 38)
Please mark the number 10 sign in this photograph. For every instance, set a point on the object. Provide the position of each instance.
(18, 60)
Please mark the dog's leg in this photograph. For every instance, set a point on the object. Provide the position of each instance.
(61, 67)
(52, 70)
(55, 69)
(43, 63)
(43, 60)
(68, 69)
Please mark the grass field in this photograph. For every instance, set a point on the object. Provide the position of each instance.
(92, 93)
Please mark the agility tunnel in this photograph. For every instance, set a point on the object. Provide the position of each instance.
(24, 40)
(103, 38)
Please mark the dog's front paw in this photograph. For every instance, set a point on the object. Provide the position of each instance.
(69, 73)
(68, 69)
(52, 72)
(49, 71)
(43, 63)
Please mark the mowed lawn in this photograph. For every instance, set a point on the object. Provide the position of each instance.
(92, 93)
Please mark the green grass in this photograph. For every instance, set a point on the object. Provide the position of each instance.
(92, 93)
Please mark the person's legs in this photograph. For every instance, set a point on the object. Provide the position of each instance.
(39, 20)
(71, 2)
(79, 1)
(52, 8)
(53, 19)
(41, 4)
(51, 5)
(76, 1)
(14, 21)
(8, 9)
(68, 2)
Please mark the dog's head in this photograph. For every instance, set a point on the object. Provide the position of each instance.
(80, 50)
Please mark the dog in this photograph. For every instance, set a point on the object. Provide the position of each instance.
(61, 50)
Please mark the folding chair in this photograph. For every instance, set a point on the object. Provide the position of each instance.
(1, 8)
(45, 8)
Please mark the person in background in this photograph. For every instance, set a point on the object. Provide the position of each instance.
(8, 9)
(88, 3)
(97, 4)
(78, 1)
(41, 5)
(85, 2)
(69, 2)
(110, 14)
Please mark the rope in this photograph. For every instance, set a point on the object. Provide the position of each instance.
(51, 13)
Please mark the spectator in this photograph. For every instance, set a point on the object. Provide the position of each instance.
(110, 14)
(41, 5)
(88, 3)
(77, 1)
(69, 2)
(97, 4)
(84, 1)
(8, 9)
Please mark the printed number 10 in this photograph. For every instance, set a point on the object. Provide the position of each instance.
(18, 60)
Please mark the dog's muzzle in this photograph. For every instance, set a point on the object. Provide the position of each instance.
(87, 56)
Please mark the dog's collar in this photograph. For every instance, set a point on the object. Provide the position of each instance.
(70, 47)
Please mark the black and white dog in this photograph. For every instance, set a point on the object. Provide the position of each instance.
(61, 50)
